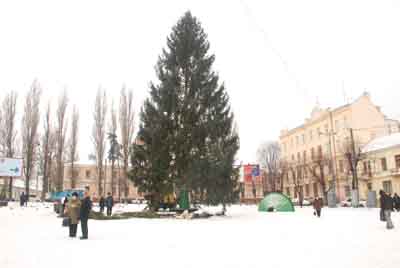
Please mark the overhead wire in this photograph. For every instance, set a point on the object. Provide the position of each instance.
(248, 12)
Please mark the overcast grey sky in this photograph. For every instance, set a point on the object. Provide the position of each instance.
(276, 57)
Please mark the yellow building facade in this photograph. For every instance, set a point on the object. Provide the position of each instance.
(380, 167)
(85, 174)
(326, 135)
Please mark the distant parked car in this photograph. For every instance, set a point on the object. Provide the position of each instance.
(347, 203)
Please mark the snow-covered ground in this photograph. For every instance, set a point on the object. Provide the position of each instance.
(343, 237)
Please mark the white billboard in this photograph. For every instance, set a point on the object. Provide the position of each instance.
(10, 167)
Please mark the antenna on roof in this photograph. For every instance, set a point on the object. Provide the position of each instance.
(346, 100)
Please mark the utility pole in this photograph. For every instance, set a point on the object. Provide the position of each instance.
(354, 166)
(333, 157)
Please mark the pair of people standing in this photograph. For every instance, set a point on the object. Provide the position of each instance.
(108, 202)
(386, 202)
(79, 211)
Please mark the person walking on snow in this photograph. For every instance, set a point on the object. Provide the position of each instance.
(396, 202)
(381, 202)
(72, 210)
(387, 207)
(317, 204)
(109, 204)
(86, 207)
(102, 204)
(22, 199)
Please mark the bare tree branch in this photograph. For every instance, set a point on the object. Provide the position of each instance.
(30, 123)
(73, 144)
(126, 121)
(61, 131)
(99, 134)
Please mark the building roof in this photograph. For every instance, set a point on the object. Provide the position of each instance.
(382, 143)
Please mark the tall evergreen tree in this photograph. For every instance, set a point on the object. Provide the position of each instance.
(186, 128)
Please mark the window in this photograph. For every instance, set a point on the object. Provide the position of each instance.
(292, 157)
(87, 174)
(298, 157)
(387, 186)
(369, 186)
(347, 191)
(299, 173)
(330, 169)
(305, 173)
(369, 169)
(341, 166)
(288, 191)
(312, 154)
(303, 137)
(384, 164)
(319, 133)
(305, 156)
(315, 189)
(297, 140)
(397, 159)
(311, 135)
(307, 186)
(365, 168)
(326, 129)
(319, 151)
(295, 192)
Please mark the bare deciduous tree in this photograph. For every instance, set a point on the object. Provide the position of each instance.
(8, 132)
(351, 150)
(126, 121)
(99, 134)
(61, 130)
(47, 143)
(269, 158)
(114, 152)
(73, 144)
(29, 131)
(316, 168)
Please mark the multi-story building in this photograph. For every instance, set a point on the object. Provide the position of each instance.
(380, 167)
(315, 151)
(85, 174)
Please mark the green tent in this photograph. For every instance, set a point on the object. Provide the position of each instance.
(276, 202)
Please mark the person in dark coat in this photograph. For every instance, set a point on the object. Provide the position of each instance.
(381, 202)
(102, 204)
(109, 204)
(64, 205)
(22, 199)
(318, 204)
(387, 205)
(86, 207)
(396, 202)
(72, 210)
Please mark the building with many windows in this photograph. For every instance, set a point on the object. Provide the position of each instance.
(315, 151)
(380, 168)
(85, 174)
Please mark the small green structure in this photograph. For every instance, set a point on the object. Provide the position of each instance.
(184, 200)
(276, 202)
